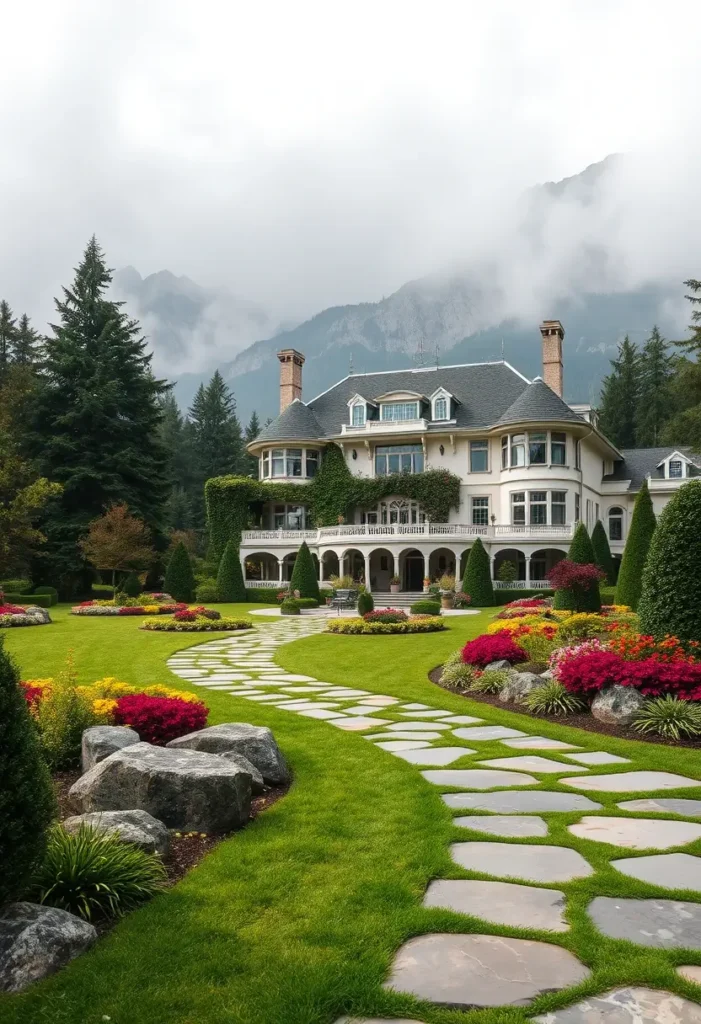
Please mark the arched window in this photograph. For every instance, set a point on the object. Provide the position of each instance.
(615, 523)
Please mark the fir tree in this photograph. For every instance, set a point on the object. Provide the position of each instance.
(230, 584)
(602, 552)
(305, 578)
(252, 431)
(642, 527)
(95, 420)
(654, 401)
(217, 444)
(582, 552)
(179, 579)
(26, 346)
(620, 395)
(693, 344)
(8, 333)
(477, 582)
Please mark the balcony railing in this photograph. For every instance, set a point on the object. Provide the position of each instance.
(432, 531)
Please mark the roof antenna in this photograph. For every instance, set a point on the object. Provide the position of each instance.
(438, 354)
(350, 364)
(421, 351)
(502, 350)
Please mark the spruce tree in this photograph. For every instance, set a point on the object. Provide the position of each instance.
(304, 574)
(230, 585)
(26, 346)
(654, 402)
(477, 581)
(671, 599)
(217, 444)
(693, 344)
(8, 333)
(582, 552)
(252, 431)
(642, 527)
(602, 552)
(179, 579)
(26, 795)
(620, 396)
(95, 420)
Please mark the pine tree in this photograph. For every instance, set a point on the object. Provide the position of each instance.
(95, 421)
(693, 344)
(305, 578)
(252, 431)
(8, 333)
(477, 582)
(654, 402)
(620, 395)
(179, 579)
(230, 585)
(26, 346)
(217, 444)
(602, 552)
(582, 552)
(642, 527)
(26, 795)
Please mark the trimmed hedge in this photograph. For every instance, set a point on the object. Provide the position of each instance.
(642, 527)
(230, 585)
(290, 606)
(424, 607)
(361, 627)
(582, 552)
(40, 600)
(477, 581)
(179, 578)
(366, 603)
(304, 574)
(503, 596)
(49, 592)
(131, 586)
(200, 625)
(261, 595)
(602, 553)
(207, 591)
(17, 586)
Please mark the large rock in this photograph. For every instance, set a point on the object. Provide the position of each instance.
(40, 615)
(617, 705)
(99, 741)
(138, 828)
(36, 941)
(257, 781)
(185, 789)
(519, 685)
(498, 666)
(255, 742)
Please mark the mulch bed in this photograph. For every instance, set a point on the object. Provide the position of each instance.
(578, 721)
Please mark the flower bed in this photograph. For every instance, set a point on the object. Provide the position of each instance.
(361, 626)
(110, 608)
(199, 624)
(15, 615)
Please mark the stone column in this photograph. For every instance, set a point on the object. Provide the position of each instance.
(528, 572)
(280, 565)
(367, 571)
(426, 564)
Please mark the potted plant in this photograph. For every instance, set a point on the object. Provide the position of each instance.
(394, 584)
(427, 583)
(447, 588)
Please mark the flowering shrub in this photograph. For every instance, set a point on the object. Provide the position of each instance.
(461, 600)
(529, 602)
(11, 609)
(127, 606)
(159, 719)
(187, 615)
(590, 672)
(499, 647)
(563, 654)
(199, 625)
(415, 624)
(577, 579)
(637, 646)
(386, 615)
(581, 626)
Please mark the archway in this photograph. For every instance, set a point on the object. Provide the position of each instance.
(381, 570)
(441, 562)
(411, 570)
(463, 562)
(353, 564)
(262, 566)
(543, 561)
(504, 563)
(330, 565)
(288, 564)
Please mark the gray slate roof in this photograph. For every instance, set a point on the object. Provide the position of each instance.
(537, 402)
(638, 463)
(296, 423)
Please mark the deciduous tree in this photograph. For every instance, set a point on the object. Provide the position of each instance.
(118, 542)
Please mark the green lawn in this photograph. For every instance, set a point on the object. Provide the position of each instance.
(296, 919)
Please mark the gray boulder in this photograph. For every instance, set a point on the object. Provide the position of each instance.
(257, 781)
(99, 741)
(498, 666)
(255, 742)
(185, 789)
(548, 675)
(36, 941)
(138, 828)
(40, 615)
(519, 684)
(617, 705)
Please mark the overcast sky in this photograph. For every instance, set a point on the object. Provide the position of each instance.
(306, 154)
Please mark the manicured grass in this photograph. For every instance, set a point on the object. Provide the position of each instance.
(296, 919)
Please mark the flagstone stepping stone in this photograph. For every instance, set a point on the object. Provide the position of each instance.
(362, 709)
(475, 778)
(692, 972)
(417, 726)
(304, 689)
(665, 805)
(669, 870)
(438, 755)
(598, 757)
(488, 732)
(428, 713)
(262, 697)
(662, 924)
(512, 826)
(240, 693)
(627, 1006)
(404, 745)
(463, 720)
(403, 735)
(381, 702)
(532, 863)
(537, 743)
(360, 722)
(320, 713)
(468, 971)
(518, 906)
(637, 833)
(343, 692)
(414, 707)
(531, 763)
(513, 802)
(628, 782)
(291, 679)
(307, 705)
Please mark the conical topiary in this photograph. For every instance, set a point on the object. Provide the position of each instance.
(26, 796)
(582, 552)
(179, 581)
(304, 575)
(132, 585)
(230, 585)
(671, 599)
(642, 527)
(477, 581)
(602, 552)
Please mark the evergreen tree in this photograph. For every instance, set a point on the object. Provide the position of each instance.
(655, 398)
(95, 421)
(26, 795)
(26, 346)
(178, 512)
(252, 431)
(230, 584)
(179, 579)
(8, 333)
(176, 437)
(582, 552)
(685, 426)
(217, 444)
(602, 552)
(305, 578)
(642, 527)
(693, 344)
(477, 582)
(620, 395)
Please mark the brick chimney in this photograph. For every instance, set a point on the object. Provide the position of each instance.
(291, 362)
(553, 334)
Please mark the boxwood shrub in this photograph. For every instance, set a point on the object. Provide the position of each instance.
(49, 592)
(40, 600)
(425, 607)
(290, 606)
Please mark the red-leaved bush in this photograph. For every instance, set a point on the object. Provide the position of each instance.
(386, 615)
(159, 719)
(495, 647)
(592, 671)
(567, 575)
(186, 615)
(129, 610)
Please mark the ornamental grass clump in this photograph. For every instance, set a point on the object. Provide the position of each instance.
(485, 649)
(458, 677)
(95, 876)
(492, 681)
(553, 699)
(669, 716)
(62, 716)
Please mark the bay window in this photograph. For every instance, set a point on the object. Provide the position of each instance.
(545, 508)
(518, 450)
(558, 449)
(278, 461)
(312, 462)
(399, 458)
(538, 508)
(295, 463)
(558, 508)
(518, 508)
(536, 448)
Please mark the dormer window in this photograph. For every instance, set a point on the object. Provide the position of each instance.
(676, 469)
(397, 411)
(441, 408)
(358, 411)
(358, 415)
(674, 466)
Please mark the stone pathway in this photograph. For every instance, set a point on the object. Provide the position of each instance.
(468, 971)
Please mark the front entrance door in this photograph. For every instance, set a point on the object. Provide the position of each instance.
(413, 572)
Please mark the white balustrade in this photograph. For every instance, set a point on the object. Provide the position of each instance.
(371, 531)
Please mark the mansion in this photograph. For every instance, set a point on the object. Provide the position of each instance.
(530, 468)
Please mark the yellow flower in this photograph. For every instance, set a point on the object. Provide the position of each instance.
(104, 708)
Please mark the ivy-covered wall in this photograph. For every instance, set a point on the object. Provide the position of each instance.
(234, 502)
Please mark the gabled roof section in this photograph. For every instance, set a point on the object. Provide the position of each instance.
(672, 453)
(538, 403)
(358, 399)
(296, 423)
(639, 463)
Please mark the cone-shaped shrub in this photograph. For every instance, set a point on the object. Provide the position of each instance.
(477, 581)
(230, 585)
(365, 603)
(132, 585)
(671, 597)
(642, 527)
(581, 551)
(26, 796)
(304, 575)
(602, 552)
(179, 581)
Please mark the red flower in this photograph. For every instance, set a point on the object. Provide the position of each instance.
(159, 719)
(11, 609)
(495, 647)
(386, 615)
